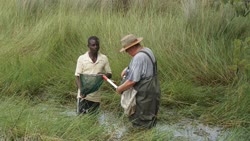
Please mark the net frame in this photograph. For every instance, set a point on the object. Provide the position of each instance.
(90, 83)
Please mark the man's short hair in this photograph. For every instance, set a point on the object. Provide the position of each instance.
(93, 38)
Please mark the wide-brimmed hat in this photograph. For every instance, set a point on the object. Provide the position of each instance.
(129, 41)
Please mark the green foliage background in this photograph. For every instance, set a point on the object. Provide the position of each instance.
(202, 48)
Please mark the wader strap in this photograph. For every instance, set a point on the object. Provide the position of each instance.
(154, 63)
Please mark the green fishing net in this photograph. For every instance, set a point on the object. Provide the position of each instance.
(90, 83)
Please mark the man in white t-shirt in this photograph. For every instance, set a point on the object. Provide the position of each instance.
(92, 62)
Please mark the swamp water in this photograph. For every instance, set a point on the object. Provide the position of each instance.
(184, 130)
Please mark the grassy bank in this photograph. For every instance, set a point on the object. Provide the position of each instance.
(202, 50)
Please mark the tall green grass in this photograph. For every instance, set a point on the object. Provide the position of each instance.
(23, 120)
(194, 43)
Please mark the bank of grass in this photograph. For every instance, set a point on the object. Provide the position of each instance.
(203, 72)
(23, 120)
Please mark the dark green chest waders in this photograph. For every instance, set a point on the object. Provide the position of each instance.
(147, 100)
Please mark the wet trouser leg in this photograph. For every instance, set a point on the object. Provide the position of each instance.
(88, 106)
(137, 122)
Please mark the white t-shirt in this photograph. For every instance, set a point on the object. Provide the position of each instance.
(86, 66)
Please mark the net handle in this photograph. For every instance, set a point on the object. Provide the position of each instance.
(109, 81)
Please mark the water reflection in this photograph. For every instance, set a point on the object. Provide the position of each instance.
(113, 125)
(184, 130)
(188, 129)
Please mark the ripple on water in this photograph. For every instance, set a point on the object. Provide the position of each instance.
(188, 129)
(185, 129)
(113, 125)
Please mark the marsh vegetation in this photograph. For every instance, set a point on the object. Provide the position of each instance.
(203, 53)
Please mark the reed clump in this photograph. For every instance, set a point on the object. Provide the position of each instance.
(202, 49)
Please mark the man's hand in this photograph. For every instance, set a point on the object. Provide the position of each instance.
(82, 96)
(118, 90)
(109, 75)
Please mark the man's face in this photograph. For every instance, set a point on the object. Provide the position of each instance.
(93, 46)
(130, 51)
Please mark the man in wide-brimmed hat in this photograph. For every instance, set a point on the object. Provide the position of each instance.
(141, 75)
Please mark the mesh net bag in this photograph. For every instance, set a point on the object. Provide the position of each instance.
(90, 83)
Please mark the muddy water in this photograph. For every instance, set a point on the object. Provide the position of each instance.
(191, 130)
(184, 130)
(114, 126)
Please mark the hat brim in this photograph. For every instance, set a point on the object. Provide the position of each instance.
(134, 43)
